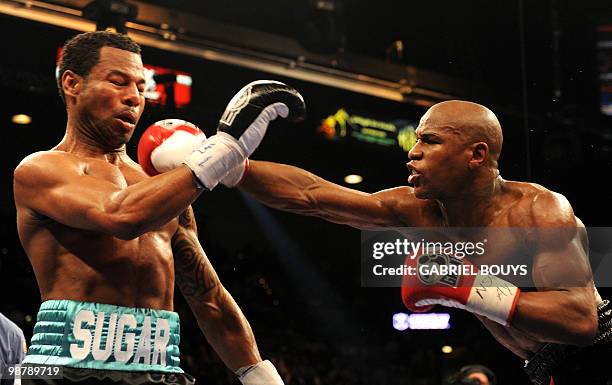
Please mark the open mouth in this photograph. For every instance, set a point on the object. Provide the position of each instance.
(127, 118)
(413, 177)
(414, 174)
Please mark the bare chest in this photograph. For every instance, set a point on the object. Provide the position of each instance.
(150, 251)
(502, 244)
(121, 176)
(507, 251)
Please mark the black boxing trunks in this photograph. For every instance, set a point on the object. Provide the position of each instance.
(571, 365)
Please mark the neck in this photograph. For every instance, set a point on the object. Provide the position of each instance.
(78, 142)
(471, 208)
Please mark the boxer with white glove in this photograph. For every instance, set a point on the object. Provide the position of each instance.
(240, 131)
(456, 182)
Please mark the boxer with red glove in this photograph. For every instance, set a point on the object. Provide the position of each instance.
(486, 295)
(113, 238)
(239, 132)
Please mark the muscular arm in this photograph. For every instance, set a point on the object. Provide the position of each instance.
(292, 189)
(54, 185)
(563, 310)
(218, 315)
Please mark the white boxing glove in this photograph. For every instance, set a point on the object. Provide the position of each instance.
(242, 127)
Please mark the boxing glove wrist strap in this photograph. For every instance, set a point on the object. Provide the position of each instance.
(490, 296)
(236, 175)
(215, 158)
(261, 373)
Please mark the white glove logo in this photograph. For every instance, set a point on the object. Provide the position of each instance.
(238, 102)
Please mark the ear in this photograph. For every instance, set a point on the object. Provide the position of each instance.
(479, 153)
(72, 83)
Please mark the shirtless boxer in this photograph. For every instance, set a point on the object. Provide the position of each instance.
(105, 240)
(456, 182)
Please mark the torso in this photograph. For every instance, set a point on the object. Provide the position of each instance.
(82, 265)
(511, 210)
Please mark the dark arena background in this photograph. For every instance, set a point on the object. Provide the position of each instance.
(368, 70)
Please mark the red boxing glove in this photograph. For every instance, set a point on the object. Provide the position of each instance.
(166, 144)
(442, 279)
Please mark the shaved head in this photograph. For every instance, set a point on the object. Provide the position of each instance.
(472, 122)
(457, 148)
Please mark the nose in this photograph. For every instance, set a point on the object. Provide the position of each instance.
(415, 152)
(132, 96)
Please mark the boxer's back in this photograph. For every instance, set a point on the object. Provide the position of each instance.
(85, 265)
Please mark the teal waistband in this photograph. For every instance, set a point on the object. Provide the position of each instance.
(100, 336)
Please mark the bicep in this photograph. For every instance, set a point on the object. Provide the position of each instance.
(68, 197)
(562, 263)
(561, 244)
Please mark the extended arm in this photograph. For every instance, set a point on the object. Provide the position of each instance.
(296, 190)
(57, 186)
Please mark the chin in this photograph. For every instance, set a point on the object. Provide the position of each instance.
(420, 193)
(118, 142)
(123, 137)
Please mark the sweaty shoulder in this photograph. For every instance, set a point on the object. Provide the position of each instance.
(539, 208)
(43, 169)
(551, 209)
(46, 162)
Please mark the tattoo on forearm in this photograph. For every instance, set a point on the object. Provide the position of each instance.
(187, 220)
(195, 275)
